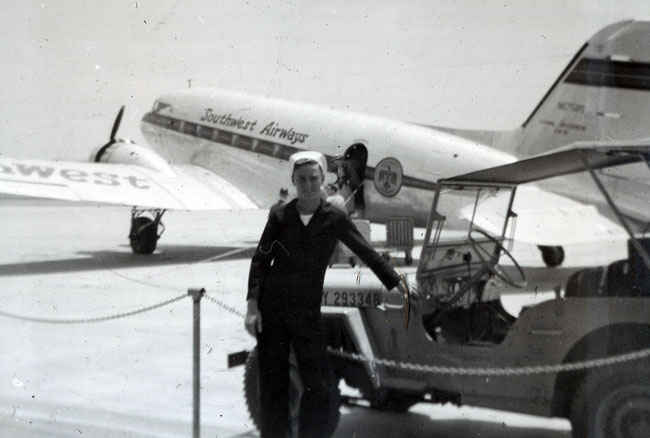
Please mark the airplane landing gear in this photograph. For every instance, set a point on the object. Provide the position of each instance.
(552, 255)
(144, 234)
(408, 258)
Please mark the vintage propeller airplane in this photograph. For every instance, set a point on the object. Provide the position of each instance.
(216, 149)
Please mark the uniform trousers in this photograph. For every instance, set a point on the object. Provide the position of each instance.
(299, 327)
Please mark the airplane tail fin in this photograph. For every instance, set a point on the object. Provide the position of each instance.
(603, 93)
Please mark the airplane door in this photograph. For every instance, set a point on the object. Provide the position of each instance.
(352, 172)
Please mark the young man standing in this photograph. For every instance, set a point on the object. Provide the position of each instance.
(285, 287)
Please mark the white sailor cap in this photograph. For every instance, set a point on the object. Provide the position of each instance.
(304, 156)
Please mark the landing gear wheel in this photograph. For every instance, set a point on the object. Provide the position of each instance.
(252, 394)
(143, 236)
(613, 404)
(552, 255)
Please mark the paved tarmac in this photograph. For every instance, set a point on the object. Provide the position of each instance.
(131, 377)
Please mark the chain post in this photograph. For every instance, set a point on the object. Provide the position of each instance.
(196, 294)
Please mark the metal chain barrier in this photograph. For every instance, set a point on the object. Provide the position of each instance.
(225, 306)
(91, 320)
(507, 371)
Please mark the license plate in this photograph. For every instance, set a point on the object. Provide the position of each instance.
(352, 298)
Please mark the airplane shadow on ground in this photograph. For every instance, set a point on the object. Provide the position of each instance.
(396, 261)
(115, 259)
(367, 423)
(98, 260)
(188, 254)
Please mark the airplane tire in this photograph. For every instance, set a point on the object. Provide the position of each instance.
(613, 403)
(143, 236)
(552, 255)
(252, 395)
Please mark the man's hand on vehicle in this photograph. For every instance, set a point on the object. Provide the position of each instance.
(402, 288)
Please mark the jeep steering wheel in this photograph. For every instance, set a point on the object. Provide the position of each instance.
(487, 258)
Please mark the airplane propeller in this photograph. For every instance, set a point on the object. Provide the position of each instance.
(111, 140)
(116, 123)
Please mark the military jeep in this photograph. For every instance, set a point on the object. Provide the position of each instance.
(583, 355)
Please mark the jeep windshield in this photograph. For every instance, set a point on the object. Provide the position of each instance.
(458, 255)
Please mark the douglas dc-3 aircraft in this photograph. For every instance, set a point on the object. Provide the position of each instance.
(214, 149)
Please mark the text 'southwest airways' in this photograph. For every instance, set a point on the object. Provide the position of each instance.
(271, 129)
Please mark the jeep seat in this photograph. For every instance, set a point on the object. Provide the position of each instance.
(638, 270)
(623, 278)
(586, 282)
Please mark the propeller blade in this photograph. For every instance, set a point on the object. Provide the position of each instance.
(116, 124)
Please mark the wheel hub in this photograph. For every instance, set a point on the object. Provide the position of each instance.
(633, 419)
(629, 416)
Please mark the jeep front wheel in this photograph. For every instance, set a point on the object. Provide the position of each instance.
(252, 394)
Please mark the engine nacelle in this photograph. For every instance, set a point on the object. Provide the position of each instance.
(127, 152)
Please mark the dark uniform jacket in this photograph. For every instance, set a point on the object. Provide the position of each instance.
(291, 258)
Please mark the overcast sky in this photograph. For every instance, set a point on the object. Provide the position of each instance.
(69, 65)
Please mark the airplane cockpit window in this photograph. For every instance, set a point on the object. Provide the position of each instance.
(158, 106)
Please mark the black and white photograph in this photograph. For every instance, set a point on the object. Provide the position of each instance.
(301, 219)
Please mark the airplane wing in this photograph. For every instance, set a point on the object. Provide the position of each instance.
(187, 187)
(545, 218)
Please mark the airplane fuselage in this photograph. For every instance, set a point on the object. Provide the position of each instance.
(248, 141)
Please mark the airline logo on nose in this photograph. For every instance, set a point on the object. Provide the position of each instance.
(388, 177)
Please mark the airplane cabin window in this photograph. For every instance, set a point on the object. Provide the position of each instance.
(189, 128)
(244, 142)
